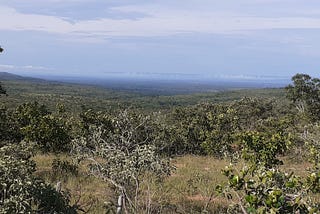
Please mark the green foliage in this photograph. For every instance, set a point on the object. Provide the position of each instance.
(312, 145)
(125, 148)
(90, 118)
(73, 96)
(64, 167)
(28, 113)
(2, 90)
(187, 126)
(262, 148)
(38, 125)
(313, 180)
(21, 191)
(9, 128)
(171, 140)
(311, 136)
(305, 94)
(223, 124)
(260, 186)
(266, 191)
(251, 111)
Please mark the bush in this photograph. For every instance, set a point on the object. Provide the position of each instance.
(64, 167)
(260, 186)
(9, 128)
(21, 191)
(121, 154)
(38, 125)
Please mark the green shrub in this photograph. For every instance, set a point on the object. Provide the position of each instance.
(37, 124)
(21, 191)
(260, 186)
(64, 167)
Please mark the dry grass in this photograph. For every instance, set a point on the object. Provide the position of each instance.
(190, 189)
(299, 168)
(87, 191)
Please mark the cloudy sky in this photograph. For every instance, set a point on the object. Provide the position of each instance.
(190, 38)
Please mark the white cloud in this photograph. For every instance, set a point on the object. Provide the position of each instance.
(32, 67)
(9, 68)
(6, 67)
(159, 22)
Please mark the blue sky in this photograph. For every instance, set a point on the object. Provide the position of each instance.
(167, 38)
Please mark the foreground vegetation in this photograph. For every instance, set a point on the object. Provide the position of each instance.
(233, 155)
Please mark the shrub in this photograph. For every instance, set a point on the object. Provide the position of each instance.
(21, 191)
(38, 125)
(121, 155)
(260, 186)
(9, 128)
(64, 167)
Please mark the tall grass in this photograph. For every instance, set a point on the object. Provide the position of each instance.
(190, 189)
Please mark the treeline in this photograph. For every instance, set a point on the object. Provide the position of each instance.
(123, 145)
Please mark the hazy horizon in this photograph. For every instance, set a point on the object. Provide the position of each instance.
(198, 40)
(155, 85)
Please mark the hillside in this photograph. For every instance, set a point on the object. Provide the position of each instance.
(5, 76)
(74, 96)
(167, 149)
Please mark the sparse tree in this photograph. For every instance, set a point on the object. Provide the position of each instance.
(305, 94)
(122, 153)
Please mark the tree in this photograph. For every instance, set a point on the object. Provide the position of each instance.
(305, 94)
(122, 152)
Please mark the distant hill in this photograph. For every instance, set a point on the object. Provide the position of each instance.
(5, 76)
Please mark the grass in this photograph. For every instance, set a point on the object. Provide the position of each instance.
(87, 191)
(192, 186)
(190, 189)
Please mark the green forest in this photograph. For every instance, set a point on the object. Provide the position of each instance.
(71, 148)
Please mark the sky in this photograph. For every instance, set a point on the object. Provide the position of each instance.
(161, 38)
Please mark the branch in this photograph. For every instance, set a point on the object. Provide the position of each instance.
(240, 204)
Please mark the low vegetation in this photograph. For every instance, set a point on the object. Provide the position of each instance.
(233, 155)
